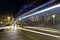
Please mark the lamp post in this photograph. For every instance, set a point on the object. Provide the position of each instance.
(53, 16)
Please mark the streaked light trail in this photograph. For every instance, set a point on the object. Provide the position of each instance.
(45, 29)
(56, 36)
(40, 6)
(47, 9)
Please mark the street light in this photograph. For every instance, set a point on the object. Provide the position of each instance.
(1, 22)
(53, 16)
(8, 18)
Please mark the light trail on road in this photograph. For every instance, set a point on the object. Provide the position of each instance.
(56, 36)
(45, 29)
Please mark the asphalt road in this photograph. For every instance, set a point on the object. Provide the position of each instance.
(36, 36)
(23, 35)
(12, 35)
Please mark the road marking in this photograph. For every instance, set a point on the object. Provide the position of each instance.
(40, 33)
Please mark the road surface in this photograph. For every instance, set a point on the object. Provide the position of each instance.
(24, 35)
(12, 35)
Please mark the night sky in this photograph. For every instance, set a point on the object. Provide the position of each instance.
(10, 5)
(13, 5)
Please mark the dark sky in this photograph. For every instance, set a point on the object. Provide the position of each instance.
(13, 5)
(10, 5)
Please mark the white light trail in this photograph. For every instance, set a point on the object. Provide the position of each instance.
(56, 36)
(13, 27)
(51, 1)
(47, 9)
(44, 29)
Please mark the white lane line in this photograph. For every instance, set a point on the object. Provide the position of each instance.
(40, 33)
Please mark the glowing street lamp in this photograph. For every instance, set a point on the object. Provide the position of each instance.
(8, 18)
(1, 22)
(53, 16)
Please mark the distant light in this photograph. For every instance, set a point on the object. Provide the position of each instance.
(13, 26)
(8, 17)
(1, 22)
(47, 9)
(53, 16)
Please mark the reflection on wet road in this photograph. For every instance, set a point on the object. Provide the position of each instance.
(12, 35)
(24, 35)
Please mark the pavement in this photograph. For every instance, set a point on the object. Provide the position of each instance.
(12, 35)
(30, 33)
